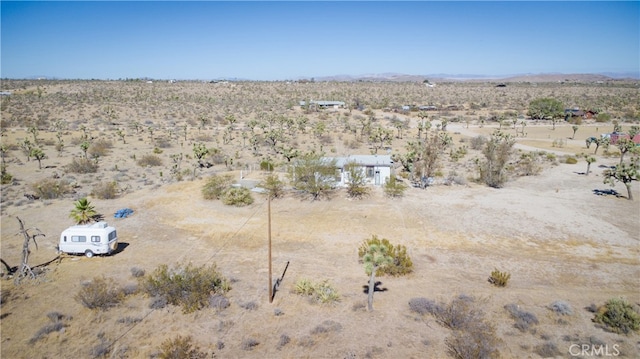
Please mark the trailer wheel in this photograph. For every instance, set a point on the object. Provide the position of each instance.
(88, 253)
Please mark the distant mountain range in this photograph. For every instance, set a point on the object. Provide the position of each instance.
(398, 77)
(549, 77)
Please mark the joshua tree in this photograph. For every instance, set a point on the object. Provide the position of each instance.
(376, 256)
(121, 134)
(379, 137)
(590, 160)
(200, 151)
(33, 130)
(39, 155)
(84, 146)
(83, 212)
(625, 145)
(625, 173)
(575, 129)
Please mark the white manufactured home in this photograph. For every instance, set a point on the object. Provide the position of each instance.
(89, 239)
(376, 168)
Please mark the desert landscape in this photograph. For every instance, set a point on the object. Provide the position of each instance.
(569, 241)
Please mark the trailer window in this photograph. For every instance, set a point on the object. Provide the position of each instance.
(95, 239)
(112, 235)
(78, 238)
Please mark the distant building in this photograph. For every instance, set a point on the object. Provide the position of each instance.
(325, 104)
(376, 168)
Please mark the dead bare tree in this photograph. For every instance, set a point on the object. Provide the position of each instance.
(25, 270)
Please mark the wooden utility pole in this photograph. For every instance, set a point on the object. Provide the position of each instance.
(269, 227)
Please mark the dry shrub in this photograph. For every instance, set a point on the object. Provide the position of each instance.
(100, 293)
(189, 287)
(180, 348)
(548, 349)
(561, 308)
(57, 324)
(99, 148)
(105, 190)
(49, 188)
(472, 337)
(523, 318)
(249, 344)
(149, 160)
(82, 165)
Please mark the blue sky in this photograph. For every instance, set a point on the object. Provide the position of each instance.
(288, 40)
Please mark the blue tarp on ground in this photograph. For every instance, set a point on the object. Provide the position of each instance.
(123, 213)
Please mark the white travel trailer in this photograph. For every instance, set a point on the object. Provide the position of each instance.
(89, 239)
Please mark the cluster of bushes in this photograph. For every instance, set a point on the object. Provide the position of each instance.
(219, 187)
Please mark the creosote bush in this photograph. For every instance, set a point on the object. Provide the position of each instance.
(237, 196)
(101, 293)
(322, 292)
(273, 185)
(618, 316)
(189, 287)
(571, 161)
(150, 160)
(394, 188)
(105, 190)
(216, 186)
(499, 279)
(82, 165)
(180, 348)
(49, 188)
(401, 264)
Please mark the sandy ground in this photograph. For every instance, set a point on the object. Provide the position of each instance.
(557, 238)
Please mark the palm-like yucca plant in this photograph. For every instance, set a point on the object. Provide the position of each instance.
(376, 256)
(83, 212)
